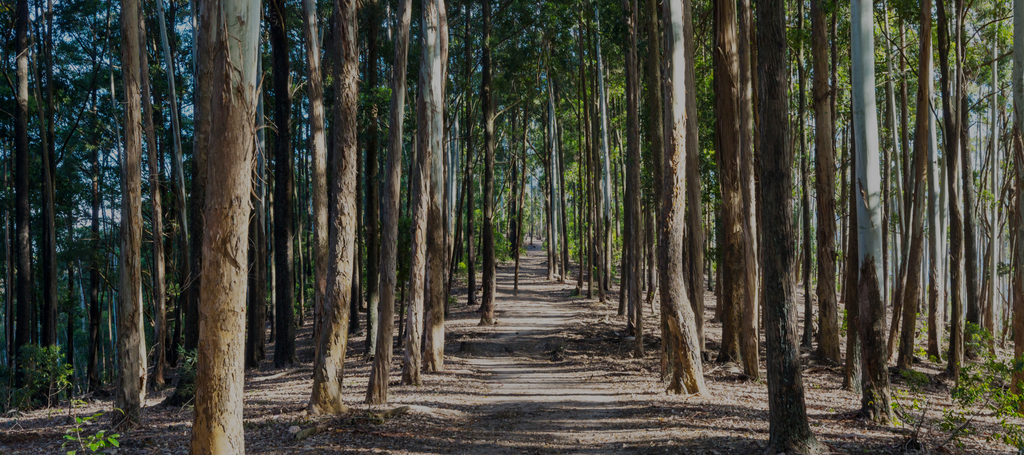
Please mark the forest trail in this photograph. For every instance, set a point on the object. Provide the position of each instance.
(536, 399)
(553, 376)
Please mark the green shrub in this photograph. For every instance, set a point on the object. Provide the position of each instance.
(45, 375)
(94, 443)
(985, 386)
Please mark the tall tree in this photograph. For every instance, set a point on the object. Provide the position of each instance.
(694, 210)
(131, 341)
(284, 186)
(487, 103)
(632, 275)
(875, 393)
(217, 426)
(330, 363)
(372, 213)
(318, 150)
(912, 293)
(828, 318)
(22, 211)
(377, 392)
(1018, 154)
(788, 429)
(751, 307)
(433, 318)
(952, 157)
(156, 217)
(684, 347)
(48, 244)
(727, 97)
(805, 198)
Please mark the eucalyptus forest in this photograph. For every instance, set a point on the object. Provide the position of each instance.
(507, 226)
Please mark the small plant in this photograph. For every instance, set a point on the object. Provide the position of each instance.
(187, 370)
(94, 443)
(986, 387)
(45, 378)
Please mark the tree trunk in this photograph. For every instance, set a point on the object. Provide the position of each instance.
(372, 214)
(853, 378)
(433, 319)
(956, 232)
(329, 365)
(487, 101)
(284, 182)
(49, 237)
(655, 134)
(828, 318)
(727, 97)
(256, 315)
(318, 150)
(606, 234)
(875, 394)
(788, 429)
(632, 274)
(156, 217)
(694, 210)
(751, 308)
(468, 192)
(1018, 154)
(377, 392)
(684, 345)
(22, 211)
(234, 45)
(936, 231)
(131, 341)
(912, 295)
(805, 202)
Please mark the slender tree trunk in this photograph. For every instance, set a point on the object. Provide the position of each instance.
(875, 394)
(912, 297)
(284, 182)
(655, 132)
(93, 364)
(22, 211)
(1018, 155)
(329, 366)
(487, 101)
(727, 96)
(433, 319)
(952, 151)
(972, 300)
(217, 428)
(936, 230)
(694, 209)
(805, 202)
(468, 192)
(156, 217)
(131, 341)
(751, 306)
(256, 314)
(377, 392)
(49, 237)
(606, 234)
(318, 150)
(372, 213)
(828, 318)
(632, 274)
(788, 428)
(853, 378)
(684, 345)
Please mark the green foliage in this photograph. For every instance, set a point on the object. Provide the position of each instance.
(45, 375)
(986, 387)
(95, 443)
(187, 370)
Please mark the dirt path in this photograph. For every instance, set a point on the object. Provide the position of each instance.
(535, 399)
